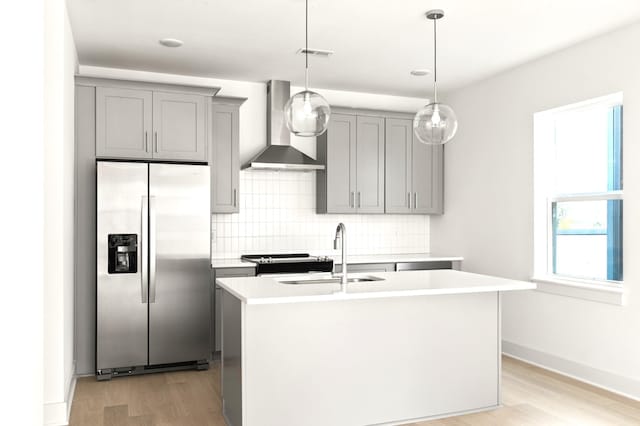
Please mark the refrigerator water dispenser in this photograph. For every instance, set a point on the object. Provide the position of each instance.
(123, 253)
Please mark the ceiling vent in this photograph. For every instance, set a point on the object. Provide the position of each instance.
(316, 52)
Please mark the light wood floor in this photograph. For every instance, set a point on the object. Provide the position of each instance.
(530, 395)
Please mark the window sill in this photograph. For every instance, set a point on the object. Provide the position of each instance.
(595, 291)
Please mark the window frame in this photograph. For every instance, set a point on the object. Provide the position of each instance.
(605, 291)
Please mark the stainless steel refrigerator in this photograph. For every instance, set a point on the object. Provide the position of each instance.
(153, 267)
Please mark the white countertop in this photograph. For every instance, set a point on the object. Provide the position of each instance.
(266, 290)
(231, 263)
(357, 259)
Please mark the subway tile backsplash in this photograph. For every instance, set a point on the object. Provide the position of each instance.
(277, 215)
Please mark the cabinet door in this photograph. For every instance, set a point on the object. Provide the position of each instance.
(398, 141)
(370, 165)
(224, 161)
(428, 179)
(179, 127)
(123, 123)
(341, 159)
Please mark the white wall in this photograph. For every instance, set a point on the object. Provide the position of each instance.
(22, 212)
(60, 67)
(489, 205)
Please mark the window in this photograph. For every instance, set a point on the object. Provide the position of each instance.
(578, 192)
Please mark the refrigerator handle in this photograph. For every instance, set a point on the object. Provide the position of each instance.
(144, 227)
(152, 249)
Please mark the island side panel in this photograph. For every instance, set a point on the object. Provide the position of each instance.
(231, 360)
(370, 361)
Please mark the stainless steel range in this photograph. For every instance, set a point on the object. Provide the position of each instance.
(289, 263)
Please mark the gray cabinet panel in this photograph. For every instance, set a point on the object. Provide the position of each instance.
(374, 164)
(341, 161)
(123, 123)
(218, 321)
(224, 158)
(427, 180)
(398, 165)
(179, 127)
(85, 224)
(216, 302)
(370, 165)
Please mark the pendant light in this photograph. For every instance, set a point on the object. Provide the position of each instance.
(435, 123)
(307, 113)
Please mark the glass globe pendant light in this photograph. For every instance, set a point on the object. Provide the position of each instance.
(435, 123)
(307, 113)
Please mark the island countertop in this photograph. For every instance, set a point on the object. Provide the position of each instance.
(268, 290)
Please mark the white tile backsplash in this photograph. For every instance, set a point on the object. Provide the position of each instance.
(278, 215)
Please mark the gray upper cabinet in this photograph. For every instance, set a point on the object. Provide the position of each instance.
(224, 154)
(179, 129)
(427, 178)
(413, 171)
(398, 148)
(353, 150)
(370, 165)
(140, 120)
(337, 149)
(123, 123)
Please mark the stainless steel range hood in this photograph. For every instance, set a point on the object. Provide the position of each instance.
(279, 154)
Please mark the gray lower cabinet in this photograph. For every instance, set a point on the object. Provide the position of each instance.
(366, 268)
(413, 171)
(353, 150)
(426, 266)
(123, 122)
(216, 302)
(224, 154)
(179, 128)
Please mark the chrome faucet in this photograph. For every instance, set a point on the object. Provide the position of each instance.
(341, 239)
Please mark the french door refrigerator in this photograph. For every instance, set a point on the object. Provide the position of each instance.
(153, 267)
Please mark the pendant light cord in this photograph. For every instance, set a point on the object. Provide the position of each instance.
(306, 45)
(435, 63)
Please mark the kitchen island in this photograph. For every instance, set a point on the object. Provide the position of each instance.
(412, 345)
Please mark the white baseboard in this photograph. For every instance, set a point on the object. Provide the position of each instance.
(611, 382)
(57, 413)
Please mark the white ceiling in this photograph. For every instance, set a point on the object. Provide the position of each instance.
(376, 42)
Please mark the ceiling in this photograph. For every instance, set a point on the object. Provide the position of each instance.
(376, 42)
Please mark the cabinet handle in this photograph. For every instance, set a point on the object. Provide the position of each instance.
(409, 199)
(146, 142)
(235, 197)
(415, 200)
(352, 199)
(359, 199)
(155, 146)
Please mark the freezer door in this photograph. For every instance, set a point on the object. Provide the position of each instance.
(179, 263)
(121, 322)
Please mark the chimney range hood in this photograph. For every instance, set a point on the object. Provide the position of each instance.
(279, 154)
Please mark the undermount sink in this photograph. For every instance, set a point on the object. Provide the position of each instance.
(333, 280)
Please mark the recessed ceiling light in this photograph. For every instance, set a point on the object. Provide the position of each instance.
(420, 72)
(171, 42)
